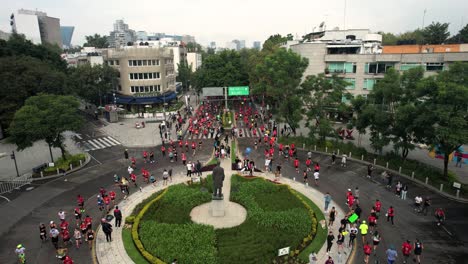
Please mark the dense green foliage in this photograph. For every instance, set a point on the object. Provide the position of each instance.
(96, 41)
(276, 218)
(184, 74)
(130, 247)
(45, 117)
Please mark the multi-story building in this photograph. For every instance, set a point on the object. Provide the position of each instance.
(87, 55)
(188, 39)
(146, 74)
(67, 34)
(121, 35)
(141, 36)
(37, 27)
(257, 45)
(195, 60)
(363, 63)
(4, 35)
(212, 45)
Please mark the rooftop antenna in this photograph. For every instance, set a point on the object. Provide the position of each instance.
(424, 16)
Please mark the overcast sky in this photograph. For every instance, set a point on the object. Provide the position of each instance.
(225, 20)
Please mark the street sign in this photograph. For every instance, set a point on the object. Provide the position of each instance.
(283, 251)
(457, 185)
(238, 90)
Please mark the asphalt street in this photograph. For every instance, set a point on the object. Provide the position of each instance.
(442, 244)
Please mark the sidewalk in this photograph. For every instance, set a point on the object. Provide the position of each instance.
(417, 154)
(30, 157)
(114, 252)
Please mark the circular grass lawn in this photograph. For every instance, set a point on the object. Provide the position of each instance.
(276, 218)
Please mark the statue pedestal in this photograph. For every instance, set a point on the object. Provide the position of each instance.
(217, 208)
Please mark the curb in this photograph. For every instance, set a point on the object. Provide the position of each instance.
(87, 160)
(416, 181)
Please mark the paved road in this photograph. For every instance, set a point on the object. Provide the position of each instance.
(23, 215)
(442, 245)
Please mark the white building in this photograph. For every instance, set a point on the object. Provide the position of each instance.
(89, 55)
(195, 60)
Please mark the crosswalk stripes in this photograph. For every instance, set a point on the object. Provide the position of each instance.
(99, 143)
(246, 132)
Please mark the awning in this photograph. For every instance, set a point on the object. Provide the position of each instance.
(165, 98)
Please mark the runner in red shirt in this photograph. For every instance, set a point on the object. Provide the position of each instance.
(372, 222)
(367, 252)
(133, 162)
(64, 225)
(145, 156)
(308, 163)
(378, 207)
(180, 144)
(350, 201)
(89, 222)
(184, 158)
(317, 167)
(406, 250)
(280, 149)
(133, 179)
(112, 197)
(186, 146)
(193, 147)
(163, 151)
(65, 236)
(67, 260)
(296, 165)
(80, 201)
(290, 153)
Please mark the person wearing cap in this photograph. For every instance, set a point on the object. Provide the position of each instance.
(363, 227)
(391, 255)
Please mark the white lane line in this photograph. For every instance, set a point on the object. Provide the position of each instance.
(109, 141)
(113, 140)
(78, 136)
(103, 142)
(97, 143)
(93, 145)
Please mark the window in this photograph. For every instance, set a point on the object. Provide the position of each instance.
(140, 76)
(342, 67)
(156, 75)
(130, 63)
(378, 67)
(117, 62)
(111, 62)
(369, 84)
(434, 66)
(130, 76)
(407, 66)
(153, 62)
(145, 76)
(144, 62)
(150, 75)
(351, 83)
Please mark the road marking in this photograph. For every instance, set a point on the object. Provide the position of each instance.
(448, 232)
(110, 138)
(103, 142)
(78, 136)
(100, 146)
(8, 200)
(109, 141)
(94, 158)
(94, 146)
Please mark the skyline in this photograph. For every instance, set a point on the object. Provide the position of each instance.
(207, 20)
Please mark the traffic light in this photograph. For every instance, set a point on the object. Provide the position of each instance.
(12, 155)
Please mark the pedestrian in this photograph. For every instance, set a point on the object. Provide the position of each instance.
(356, 195)
(352, 234)
(189, 169)
(330, 239)
(198, 168)
(42, 232)
(304, 176)
(145, 156)
(61, 215)
(426, 204)
(418, 248)
(391, 255)
(406, 250)
(77, 236)
(404, 191)
(90, 237)
(331, 216)
(316, 178)
(327, 197)
(107, 229)
(370, 168)
(126, 154)
(329, 260)
(398, 187)
(459, 159)
(118, 216)
(313, 258)
(376, 240)
(363, 227)
(165, 176)
(296, 165)
(377, 207)
(333, 157)
(54, 236)
(151, 155)
(372, 221)
(389, 180)
(65, 236)
(170, 174)
(340, 242)
(80, 201)
(390, 214)
(163, 151)
(367, 252)
(100, 202)
(343, 160)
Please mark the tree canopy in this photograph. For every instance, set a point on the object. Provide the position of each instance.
(436, 33)
(184, 74)
(45, 117)
(96, 41)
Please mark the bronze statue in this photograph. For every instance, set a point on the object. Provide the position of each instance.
(218, 178)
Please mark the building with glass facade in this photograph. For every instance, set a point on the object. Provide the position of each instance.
(67, 34)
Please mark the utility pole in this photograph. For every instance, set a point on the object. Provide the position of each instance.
(225, 96)
(13, 157)
(424, 16)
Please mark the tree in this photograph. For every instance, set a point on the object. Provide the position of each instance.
(92, 82)
(411, 37)
(194, 47)
(460, 37)
(388, 38)
(96, 41)
(274, 41)
(359, 103)
(436, 33)
(221, 69)
(277, 79)
(185, 74)
(22, 77)
(45, 117)
(322, 96)
(444, 108)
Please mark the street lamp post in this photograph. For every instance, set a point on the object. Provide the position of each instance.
(13, 157)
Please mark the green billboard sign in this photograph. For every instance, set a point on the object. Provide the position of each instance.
(238, 90)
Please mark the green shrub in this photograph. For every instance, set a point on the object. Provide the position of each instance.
(189, 243)
(140, 206)
(130, 219)
(63, 164)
